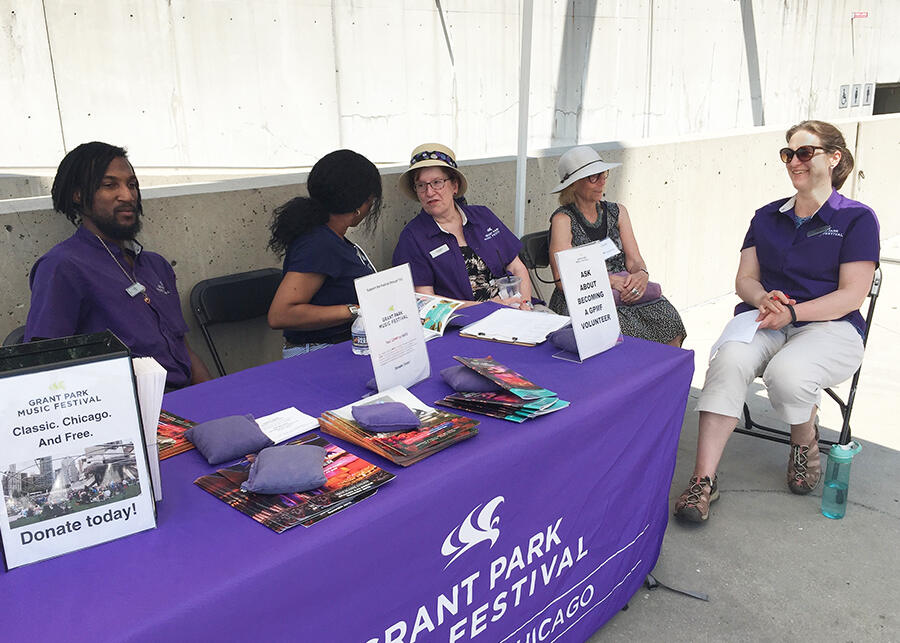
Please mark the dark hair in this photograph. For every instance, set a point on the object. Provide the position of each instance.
(833, 141)
(338, 183)
(81, 171)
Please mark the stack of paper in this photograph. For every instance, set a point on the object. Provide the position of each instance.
(438, 429)
(349, 480)
(522, 400)
(151, 384)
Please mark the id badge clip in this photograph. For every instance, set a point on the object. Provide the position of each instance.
(135, 289)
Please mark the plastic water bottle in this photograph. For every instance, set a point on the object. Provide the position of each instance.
(358, 337)
(837, 479)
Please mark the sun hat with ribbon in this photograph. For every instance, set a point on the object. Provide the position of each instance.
(578, 163)
(431, 155)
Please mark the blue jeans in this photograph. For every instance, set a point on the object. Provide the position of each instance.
(302, 349)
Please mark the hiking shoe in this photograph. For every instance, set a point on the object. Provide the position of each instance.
(804, 466)
(693, 504)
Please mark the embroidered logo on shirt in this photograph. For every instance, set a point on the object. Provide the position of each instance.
(831, 232)
(161, 288)
(490, 233)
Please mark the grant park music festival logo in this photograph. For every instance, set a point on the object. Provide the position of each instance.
(468, 534)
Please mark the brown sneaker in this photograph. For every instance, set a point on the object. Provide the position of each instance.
(693, 505)
(804, 466)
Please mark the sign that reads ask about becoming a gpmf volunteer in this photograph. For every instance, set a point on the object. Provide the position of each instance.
(72, 459)
(585, 282)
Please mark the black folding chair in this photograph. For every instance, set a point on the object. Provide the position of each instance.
(232, 298)
(751, 427)
(535, 254)
(17, 336)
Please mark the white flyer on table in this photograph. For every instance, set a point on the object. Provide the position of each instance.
(387, 303)
(741, 328)
(585, 283)
(286, 423)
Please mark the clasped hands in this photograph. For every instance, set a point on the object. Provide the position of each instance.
(630, 288)
(773, 310)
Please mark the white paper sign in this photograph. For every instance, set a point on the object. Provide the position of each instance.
(585, 283)
(72, 460)
(387, 303)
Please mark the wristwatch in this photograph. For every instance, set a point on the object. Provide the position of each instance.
(354, 309)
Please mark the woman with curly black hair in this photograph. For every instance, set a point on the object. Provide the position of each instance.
(316, 302)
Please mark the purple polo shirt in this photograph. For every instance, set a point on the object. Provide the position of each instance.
(77, 288)
(434, 256)
(805, 262)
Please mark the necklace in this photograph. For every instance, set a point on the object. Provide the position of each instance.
(136, 287)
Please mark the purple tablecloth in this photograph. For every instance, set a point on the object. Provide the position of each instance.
(566, 517)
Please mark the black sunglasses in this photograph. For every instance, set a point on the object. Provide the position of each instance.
(804, 153)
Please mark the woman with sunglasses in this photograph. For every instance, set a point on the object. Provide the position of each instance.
(584, 217)
(455, 249)
(316, 302)
(806, 267)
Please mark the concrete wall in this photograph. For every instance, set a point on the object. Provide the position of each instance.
(690, 200)
(279, 83)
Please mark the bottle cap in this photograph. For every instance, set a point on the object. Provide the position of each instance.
(844, 452)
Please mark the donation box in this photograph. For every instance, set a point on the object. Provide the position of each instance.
(73, 462)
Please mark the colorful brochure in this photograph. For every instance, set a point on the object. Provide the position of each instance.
(436, 313)
(170, 435)
(350, 479)
(438, 429)
(505, 377)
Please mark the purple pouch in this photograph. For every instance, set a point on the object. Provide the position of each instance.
(385, 417)
(228, 438)
(463, 379)
(653, 291)
(564, 338)
(291, 468)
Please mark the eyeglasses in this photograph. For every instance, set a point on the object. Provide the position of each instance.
(593, 178)
(436, 184)
(804, 153)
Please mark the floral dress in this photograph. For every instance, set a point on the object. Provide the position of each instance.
(655, 320)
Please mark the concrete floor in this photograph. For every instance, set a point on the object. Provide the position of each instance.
(773, 566)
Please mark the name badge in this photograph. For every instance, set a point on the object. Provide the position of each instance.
(437, 252)
(608, 248)
(135, 289)
(818, 231)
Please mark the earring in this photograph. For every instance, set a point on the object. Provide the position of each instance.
(357, 211)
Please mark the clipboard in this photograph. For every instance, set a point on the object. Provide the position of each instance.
(497, 338)
(512, 326)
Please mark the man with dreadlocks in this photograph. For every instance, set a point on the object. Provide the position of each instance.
(100, 277)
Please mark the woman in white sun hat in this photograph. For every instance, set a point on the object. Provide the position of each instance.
(584, 217)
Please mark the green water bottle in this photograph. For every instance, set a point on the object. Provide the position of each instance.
(837, 479)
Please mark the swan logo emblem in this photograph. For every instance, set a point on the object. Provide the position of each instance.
(473, 530)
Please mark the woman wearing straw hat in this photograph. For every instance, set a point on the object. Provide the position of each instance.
(584, 217)
(454, 249)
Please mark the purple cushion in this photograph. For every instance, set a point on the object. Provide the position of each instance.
(463, 379)
(564, 338)
(387, 416)
(652, 292)
(227, 438)
(291, 468)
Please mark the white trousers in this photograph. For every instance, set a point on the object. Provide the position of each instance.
(796, 363)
